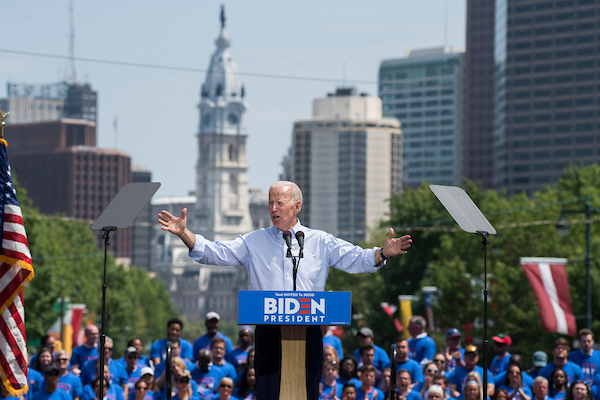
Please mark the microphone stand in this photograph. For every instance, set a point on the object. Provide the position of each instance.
(168, 382)
(295, 259)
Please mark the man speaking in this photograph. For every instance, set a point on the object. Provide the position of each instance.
(263, 254)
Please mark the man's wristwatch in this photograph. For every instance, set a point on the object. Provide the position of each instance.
(381, 254)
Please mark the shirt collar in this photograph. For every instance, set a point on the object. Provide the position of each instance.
(296, 228)
(421, 335)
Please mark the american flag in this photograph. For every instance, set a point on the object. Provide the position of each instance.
(15, 272)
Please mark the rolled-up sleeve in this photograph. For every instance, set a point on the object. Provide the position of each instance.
(232, 252)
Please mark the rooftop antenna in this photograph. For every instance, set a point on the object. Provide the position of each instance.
(72, 43)
(446, 23)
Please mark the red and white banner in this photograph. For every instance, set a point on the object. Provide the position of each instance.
(548, 279)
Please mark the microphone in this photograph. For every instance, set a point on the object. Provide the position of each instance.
(300, 239)
(287, 235)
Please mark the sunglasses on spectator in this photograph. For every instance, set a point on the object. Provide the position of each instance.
(185, 379)
(226, 386)
(62, 359)
(438, 361)
(141, 388)
(431, 371)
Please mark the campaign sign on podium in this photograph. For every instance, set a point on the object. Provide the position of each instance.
(259, 307)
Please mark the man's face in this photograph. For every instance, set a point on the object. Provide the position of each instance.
(282, 209)
(453, 342)
(212, 325)
(413, 329)
(499, 348)
(91, 334)
(137, 343)
(365, 340)
(131, 360)
(386, 376)
(218, 351)
(245, 336)
(51, 343)
(52, 378)
(173, 331)
(402, 350)
(403, 381)
(108, 348)
(471, 359)
(368, 378)
(560, 352)
(433, 396)
(175, 349)
(586, 342)
(441, 383)
(540, 390)
(368, 356)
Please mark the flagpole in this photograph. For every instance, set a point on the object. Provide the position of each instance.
(2, 123)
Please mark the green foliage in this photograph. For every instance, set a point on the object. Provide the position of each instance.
(68, 264)
(444, 256)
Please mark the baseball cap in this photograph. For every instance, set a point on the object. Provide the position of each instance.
(502, 338)
(540, 359)
(147, 371)
(51, 368)
(131, 350)
(213, 315)
(470, 348)
(453, 332)
(367, 332)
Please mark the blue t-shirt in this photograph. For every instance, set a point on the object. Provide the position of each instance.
(414, 368)
(381, 360)
(132, 377)
(573, 371)
(159, 349)
(237, 357)
(149, 395)
(589, 364)
(162, 395)
(460, 373)
(331, 392)
(374, 394)
(517, 396)
(227, 370)
(356, 382)
(412, 395)
(453, 364)
(422, 348)
(34, 380)
(207, 382)
(251, 394)
(560, 395)
(203, 342)
(335, 342)
(82, 354)
(499, 364)
(115, 392)
(71, 384)
(117, 373)
(58, 394)
(525, 378)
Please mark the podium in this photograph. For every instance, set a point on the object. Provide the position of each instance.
(293, 311)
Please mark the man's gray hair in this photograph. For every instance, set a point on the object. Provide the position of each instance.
(539, 379)
(419, 320)
(296, 192)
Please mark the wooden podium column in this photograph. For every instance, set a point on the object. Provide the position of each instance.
(293, 363)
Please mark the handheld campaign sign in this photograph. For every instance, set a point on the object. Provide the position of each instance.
(258, 307)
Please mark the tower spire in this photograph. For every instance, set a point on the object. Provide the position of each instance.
(222, 16)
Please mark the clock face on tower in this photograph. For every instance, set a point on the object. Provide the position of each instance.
(232, 119)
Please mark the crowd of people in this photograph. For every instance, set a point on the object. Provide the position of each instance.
(212, 368)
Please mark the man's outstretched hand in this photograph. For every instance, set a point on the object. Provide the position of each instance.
(177, 226)
(394, 246)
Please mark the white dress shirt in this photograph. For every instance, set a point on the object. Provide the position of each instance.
(263, 253)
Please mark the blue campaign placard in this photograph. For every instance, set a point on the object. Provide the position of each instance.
(258, 307)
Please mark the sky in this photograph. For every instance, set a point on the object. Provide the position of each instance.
(302, 50)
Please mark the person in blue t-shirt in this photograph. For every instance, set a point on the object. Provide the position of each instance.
(51, 391)
(332, 340)
(68, 381)
(329, 388)
(348, 371)
(558, 384)
(211, 322)
(366, 337)
(238, 356)
(513, 384)
(132, 368)
(500, 362)
(516, 360)
(158, 352)
(206, 377)
(143, 360)
(560, 353)
(246, 390)
(454, 352)
(117, 374)
(457, 379)
(87, 351)
(404, 385)
(348, 392)
(540, 389)
(421, 347)
(367, 390)
(586, 357)
(34, 381)
(404, 362)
